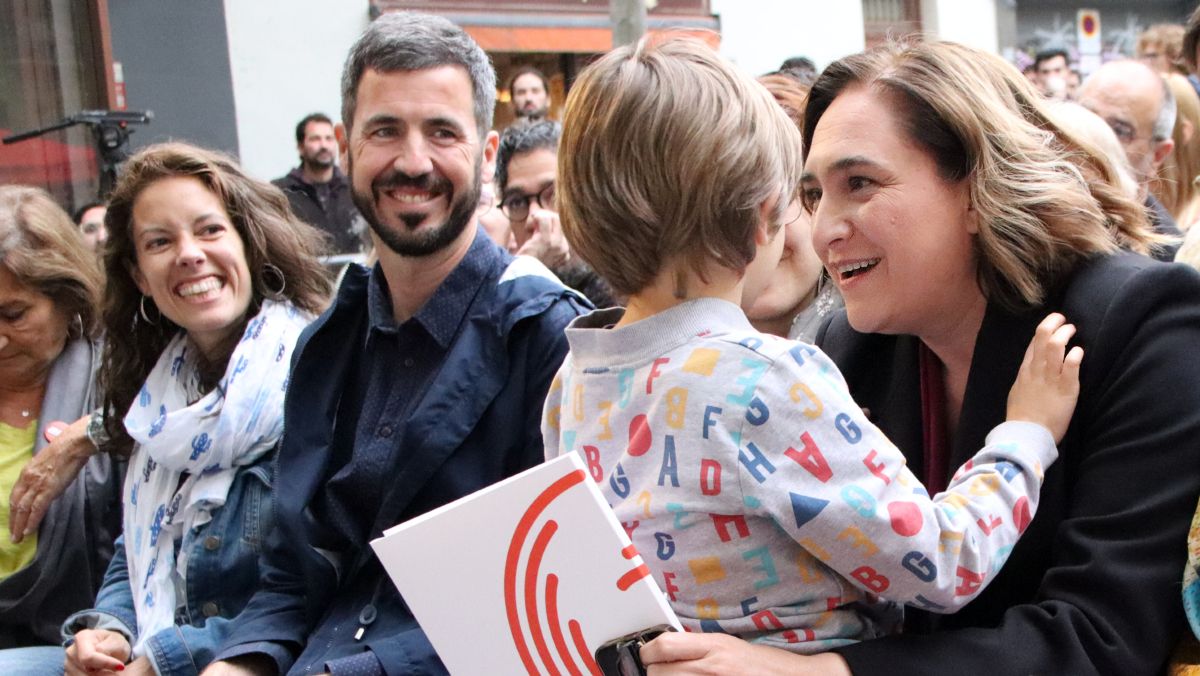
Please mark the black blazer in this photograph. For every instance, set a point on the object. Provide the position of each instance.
(1094, 584)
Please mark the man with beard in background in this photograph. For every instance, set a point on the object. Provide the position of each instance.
(530, 92)
(317, 190)
(423, 382)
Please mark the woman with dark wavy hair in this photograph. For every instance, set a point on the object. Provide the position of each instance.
(953, 213)
(211, 281)
(279, 258)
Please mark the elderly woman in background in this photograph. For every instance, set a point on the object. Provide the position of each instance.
(1175, 185)
(1161, 47)
(800, 294)
(953, 213)
(50, 289)
(211, 279)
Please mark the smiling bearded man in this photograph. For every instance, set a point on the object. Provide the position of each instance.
(399, 240)
(425, 380)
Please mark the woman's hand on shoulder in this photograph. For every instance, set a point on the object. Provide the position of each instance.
(677, 653)
(46, 476)
(1047, 386)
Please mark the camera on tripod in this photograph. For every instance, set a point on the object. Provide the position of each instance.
(110, 130)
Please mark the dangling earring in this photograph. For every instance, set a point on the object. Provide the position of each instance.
(274, 270)
(142, 311)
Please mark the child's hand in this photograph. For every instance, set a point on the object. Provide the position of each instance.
(1047, 386)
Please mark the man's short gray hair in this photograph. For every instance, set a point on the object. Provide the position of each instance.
(408, 41)
(1164, 124)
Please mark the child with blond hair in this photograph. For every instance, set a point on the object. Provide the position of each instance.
(765, 503)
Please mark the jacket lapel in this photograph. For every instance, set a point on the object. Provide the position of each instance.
(312, 427)
(885, 380)
(473, 372)
(72, 380)
(440, 423)
(999, 349)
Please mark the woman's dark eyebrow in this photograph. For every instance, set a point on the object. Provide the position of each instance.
(852, 162)
(843, 164)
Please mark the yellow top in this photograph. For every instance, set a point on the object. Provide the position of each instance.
(16, 449)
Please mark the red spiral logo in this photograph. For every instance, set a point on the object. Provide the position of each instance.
(574, 654)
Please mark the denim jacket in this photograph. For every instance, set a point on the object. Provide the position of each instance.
(222, 575)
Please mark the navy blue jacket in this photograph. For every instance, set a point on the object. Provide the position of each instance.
(478, 422)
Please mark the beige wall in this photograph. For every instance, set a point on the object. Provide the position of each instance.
(759, 35)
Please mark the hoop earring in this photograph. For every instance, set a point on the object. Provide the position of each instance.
(142, 311)
(77, 326)
(271, 293)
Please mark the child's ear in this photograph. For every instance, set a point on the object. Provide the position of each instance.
(765, 230)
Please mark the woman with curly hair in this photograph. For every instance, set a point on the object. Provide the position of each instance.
(211, 281)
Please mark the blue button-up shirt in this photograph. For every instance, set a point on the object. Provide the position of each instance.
(396, 365)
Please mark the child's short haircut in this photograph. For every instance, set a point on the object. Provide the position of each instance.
(667, 153)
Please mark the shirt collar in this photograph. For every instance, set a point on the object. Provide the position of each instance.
(445, 309)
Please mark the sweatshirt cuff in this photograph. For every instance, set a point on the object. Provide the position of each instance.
(1025, 441)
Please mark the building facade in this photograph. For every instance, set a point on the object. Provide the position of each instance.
(237, 75)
